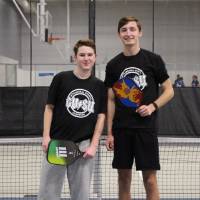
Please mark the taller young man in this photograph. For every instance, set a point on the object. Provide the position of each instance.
(132, 131)
(75, 111)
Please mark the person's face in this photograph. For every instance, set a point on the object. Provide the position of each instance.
(130, 34)
(85, 58)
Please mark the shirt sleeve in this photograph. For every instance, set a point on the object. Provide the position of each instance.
(53, 89)
(108, 77)
(103, 101)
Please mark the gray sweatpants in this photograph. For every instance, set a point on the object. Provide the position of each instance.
(79, 178)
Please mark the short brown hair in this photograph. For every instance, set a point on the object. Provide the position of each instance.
(87, 42)
(124, 20)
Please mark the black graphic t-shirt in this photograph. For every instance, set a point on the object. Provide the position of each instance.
(77, 103)
(141, 74)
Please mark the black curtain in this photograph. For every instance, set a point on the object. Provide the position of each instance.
(21, 112)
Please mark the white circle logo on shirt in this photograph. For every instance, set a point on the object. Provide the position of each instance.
(80, 103)
(137, 75)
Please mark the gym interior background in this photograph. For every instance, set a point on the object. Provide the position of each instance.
(170, 28)
(28, 63)
(29, 58)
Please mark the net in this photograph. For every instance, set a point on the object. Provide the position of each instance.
(179, 177)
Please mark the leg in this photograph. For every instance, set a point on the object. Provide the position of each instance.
(51, 181)
(124, 181)
(123, 161)
(147, 160)
(150, 184)
(79, 177)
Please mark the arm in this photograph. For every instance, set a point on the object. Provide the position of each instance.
(48, 114)
(91, 150)
(166, 95)
(110, 116)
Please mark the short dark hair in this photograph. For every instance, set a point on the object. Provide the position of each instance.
(124, 20)
(86, 42)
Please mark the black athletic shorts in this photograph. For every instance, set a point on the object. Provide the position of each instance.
(130, 144)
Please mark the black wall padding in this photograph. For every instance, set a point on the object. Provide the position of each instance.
(181, 116)
(21, 112)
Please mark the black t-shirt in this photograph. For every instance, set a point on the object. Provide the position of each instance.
(77, 103)
(148, 71)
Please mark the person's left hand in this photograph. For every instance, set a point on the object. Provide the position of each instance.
(90, 151)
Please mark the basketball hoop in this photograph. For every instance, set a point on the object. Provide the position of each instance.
(53, 38)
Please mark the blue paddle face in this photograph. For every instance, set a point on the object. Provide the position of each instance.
(128, 92)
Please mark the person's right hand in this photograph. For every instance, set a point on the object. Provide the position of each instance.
(45, 143)
(110, 142)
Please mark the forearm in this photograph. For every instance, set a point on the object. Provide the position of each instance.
(111, 111)
(167, 94)
(48, 114)
(98, 130)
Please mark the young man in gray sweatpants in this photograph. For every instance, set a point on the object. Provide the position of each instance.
(75, 111)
